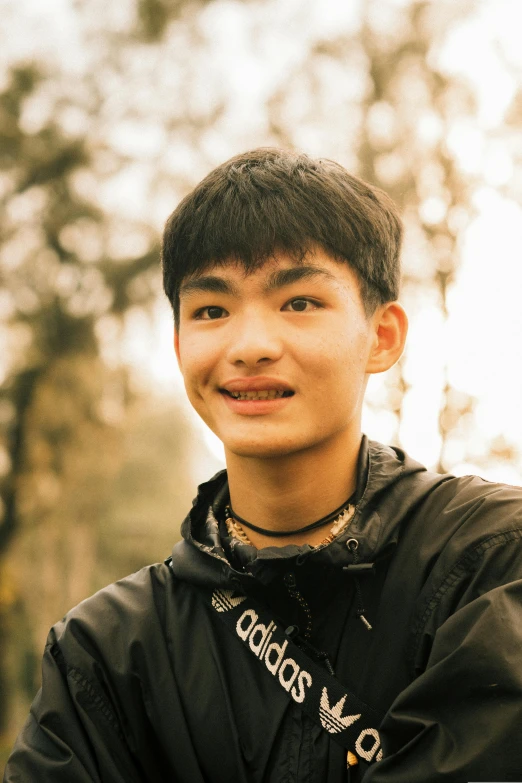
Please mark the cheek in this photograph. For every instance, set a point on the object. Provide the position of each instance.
(195, 361)
(338, 353)
(340, 370)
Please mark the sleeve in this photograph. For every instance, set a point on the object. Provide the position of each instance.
(461, 719)
(71, 734)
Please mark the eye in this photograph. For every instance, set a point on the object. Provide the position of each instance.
(301, 305)
(210, 313)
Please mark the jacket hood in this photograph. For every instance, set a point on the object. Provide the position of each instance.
(389, 485)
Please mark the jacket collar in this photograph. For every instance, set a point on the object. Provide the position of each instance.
(384, 493)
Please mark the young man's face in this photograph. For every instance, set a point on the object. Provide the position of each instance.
(275, 362)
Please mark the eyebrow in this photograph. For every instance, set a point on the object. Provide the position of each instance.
(278, 279)
(210, 284)
(283, 277)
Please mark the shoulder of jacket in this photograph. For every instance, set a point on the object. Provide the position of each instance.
(116, 613)
(469, 521)
(471, 508)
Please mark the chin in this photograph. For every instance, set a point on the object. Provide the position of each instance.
(264, 450)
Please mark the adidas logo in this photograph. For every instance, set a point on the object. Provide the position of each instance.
(331, 719)
(224, 600)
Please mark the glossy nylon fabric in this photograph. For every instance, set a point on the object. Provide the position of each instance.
(142, 683)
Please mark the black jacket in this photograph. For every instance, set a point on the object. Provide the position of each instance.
(142, 682)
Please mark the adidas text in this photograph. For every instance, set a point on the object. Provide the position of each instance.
(291, 676)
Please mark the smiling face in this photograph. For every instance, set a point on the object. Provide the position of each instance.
(276, 361)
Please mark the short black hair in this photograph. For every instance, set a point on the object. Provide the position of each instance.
(274, 200)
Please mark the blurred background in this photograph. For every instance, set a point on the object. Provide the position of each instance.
(109, 114)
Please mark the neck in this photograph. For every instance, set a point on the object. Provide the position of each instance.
(292, 491)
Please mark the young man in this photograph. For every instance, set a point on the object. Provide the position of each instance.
(334, 612)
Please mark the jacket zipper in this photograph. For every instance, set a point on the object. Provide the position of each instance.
(293, 631)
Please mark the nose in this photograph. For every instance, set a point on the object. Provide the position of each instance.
(255, 340)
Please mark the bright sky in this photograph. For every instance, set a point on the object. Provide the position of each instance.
(479, 345)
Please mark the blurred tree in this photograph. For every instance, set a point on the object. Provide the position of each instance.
(61, 408)
(408, 115)
(57, 438)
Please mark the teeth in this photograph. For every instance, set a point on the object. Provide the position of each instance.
(264, 394)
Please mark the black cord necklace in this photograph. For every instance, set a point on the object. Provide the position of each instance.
(230, 513)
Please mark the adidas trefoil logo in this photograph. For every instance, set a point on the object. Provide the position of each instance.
(331, 717)
(224, 600)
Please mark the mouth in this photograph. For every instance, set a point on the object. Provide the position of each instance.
(261, 394)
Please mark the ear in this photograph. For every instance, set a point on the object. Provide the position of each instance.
(390, 327)
(176, 347)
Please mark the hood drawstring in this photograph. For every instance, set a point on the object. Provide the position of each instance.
(357, 569)
(293, 632)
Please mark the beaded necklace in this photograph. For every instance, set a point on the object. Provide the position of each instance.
(340, 521)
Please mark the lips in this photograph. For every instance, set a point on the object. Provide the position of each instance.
(259, 389)
(262, 394)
